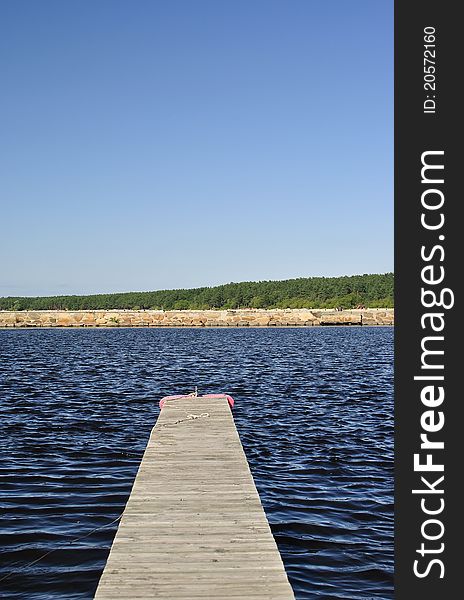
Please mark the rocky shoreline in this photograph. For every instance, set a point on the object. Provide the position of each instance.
(196, 318)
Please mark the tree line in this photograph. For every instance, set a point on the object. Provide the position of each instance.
(370, 291)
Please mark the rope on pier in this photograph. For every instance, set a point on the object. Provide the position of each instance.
(191, 418)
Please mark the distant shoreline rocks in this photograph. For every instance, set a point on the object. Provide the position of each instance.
(246, 317)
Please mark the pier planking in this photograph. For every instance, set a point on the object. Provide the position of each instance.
(194, 525)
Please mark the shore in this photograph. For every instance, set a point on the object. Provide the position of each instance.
(250, 317)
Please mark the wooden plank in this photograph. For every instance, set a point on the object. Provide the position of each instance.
(194, 526)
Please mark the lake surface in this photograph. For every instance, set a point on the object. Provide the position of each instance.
(314, 409)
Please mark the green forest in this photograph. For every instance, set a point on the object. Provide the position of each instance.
(370, 291)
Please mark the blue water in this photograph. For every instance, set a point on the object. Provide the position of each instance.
(314, 409)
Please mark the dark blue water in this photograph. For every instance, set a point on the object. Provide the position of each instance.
(314, 410)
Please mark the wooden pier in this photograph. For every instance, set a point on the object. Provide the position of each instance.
(194, 526)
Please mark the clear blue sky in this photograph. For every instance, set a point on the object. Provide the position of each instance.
(179, 143)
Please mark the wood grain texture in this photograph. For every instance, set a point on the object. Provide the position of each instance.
(194, 526)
